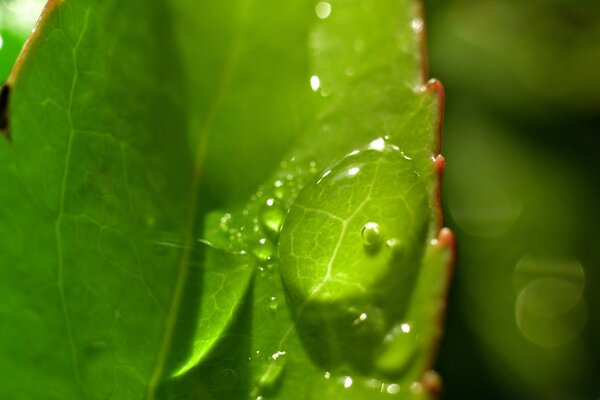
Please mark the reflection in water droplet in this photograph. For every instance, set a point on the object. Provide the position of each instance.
(271, 216)
(323, 10)
(264, 250)
(405, 328)
(315, 83)
(371, 235)
(377, 144)
(327, 375)
(273, 304)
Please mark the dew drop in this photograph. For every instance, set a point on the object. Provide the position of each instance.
(315, 83)
(273, 304)
(396, 248)
(224, 222)
(271, 216)
(371, 235)
(347, 382)
(323, 10)
(417, 25)
(264, 251)
(393, 388)
(360, 319)
(279, 190)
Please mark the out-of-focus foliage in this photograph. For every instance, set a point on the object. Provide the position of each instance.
(521, 192)
(17, 18)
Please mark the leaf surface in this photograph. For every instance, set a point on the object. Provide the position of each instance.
(126, 141)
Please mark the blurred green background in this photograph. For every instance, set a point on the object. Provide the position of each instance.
(521, 190)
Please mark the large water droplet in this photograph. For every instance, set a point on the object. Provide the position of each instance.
(264, 250)
(271, 216)
(371, 235)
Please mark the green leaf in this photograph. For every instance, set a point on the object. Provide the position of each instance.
(130, 142)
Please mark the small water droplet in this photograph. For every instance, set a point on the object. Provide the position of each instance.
(360, 319)
(393, 388)
(327, 375)
(347, 382)
(323, 10)
(273, 304)
(264, 250)
(395, 246)
(417, 25)
(224, 222)
(349, 71)
(271, 216)
(279, 190)
(315, 84)
(371, 235)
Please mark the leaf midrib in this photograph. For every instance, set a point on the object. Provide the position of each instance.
(61, 208)
(192, 214)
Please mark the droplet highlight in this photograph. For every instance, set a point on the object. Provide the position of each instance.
(315, 83)
(264, 250)
(323, 10)
(371, 235)
(271, 216)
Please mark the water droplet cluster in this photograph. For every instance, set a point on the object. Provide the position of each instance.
(255, 228)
